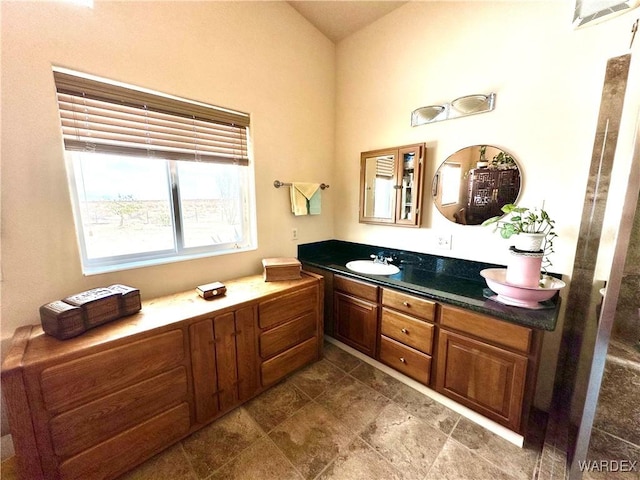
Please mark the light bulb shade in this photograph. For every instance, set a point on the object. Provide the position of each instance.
(471, 104)
(423, 115)
(460, 107)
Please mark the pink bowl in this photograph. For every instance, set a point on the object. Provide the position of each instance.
(526, 297)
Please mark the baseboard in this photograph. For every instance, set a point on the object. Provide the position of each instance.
(467, 413)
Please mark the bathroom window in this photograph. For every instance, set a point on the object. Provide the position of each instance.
(153, 179)
(451, 183)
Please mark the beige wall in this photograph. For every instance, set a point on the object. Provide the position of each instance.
(548, 79)
(300, 89)
(258, 57)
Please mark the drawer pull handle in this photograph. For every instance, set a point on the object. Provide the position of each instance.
(403, 360)
(404, 330)
(406, 304)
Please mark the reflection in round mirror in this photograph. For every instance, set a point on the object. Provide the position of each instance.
(474, 183)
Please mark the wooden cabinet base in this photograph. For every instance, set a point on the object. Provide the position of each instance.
(485, 378)
(479, 361)
(99, 404)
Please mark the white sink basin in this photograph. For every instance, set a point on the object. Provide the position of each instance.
(368, 266)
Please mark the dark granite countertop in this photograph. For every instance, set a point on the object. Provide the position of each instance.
(446, 280)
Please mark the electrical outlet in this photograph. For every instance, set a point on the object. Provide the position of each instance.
(294, 234)
(443, 242)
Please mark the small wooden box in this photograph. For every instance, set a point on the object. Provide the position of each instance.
(61, 320)
(211, 290)
(281, 268)
(129, 299)
(100, 305)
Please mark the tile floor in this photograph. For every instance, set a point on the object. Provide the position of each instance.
(342, 419)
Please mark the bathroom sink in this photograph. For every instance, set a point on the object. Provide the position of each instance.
(372, 268)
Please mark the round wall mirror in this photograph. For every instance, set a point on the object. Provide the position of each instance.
(474, 183)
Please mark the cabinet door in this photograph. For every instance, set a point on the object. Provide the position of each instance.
(485, 378)
(224, 362)
(246, 337)
(356, 323)
(378, 186)
(409, 185)
(224, 332)
(203, 364)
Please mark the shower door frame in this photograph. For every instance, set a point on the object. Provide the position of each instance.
(608, 311)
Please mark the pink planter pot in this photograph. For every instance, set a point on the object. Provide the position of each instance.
(523, 268)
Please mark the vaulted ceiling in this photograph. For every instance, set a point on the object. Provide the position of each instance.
(338, 19)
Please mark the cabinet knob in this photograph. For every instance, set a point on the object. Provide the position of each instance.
(404, 330)
(403, 360)
(406, 304)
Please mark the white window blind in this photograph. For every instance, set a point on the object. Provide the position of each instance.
(384, 166)
(102, 117)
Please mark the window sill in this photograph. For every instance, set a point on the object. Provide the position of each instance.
(100, 269)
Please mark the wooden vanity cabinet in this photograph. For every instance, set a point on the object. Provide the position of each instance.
(487, 365)
(99, 404)
(479, 361)
(356, 314)
(406, 334)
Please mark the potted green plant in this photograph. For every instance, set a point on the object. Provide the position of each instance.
(482, 161)
(503, 161)
(533, 233)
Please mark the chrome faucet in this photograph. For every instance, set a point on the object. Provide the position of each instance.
(380, 258)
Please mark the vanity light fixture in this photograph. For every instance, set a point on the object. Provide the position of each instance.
(460, 107)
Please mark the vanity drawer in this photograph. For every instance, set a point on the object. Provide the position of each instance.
(287, 335)
(286, 307)
(90, 377)
(356, 288)
(81, 428)
(496, 331)
(283, 364)
(408, 330)
(116, 455)
(406, 360)
(416, 306)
